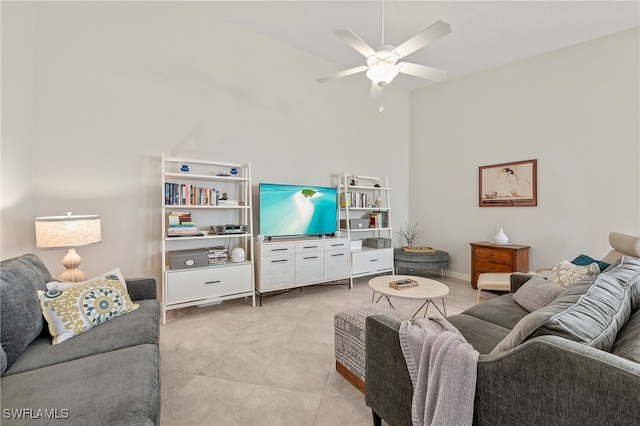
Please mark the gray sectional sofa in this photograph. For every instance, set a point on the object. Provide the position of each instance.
(107, 375)
(574, 362)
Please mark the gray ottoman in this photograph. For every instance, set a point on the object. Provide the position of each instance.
(421, 260)
(349, 327)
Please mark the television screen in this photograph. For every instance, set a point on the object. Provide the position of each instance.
(297, 210)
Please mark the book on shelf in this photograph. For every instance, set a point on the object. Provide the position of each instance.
(181, 225)
(181, 194)
(354, 199)
(217, 255)
(404, 283)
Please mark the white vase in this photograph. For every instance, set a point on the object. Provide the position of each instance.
(501, 238)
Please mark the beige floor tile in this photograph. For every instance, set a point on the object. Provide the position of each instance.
(234, 364)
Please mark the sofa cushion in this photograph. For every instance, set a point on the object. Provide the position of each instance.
(536, 293)
(591, 311)
(21, 317)
(627, 344)
(136, 328)
(77, 309)
(502, 311)
(482, 335)
(115, 388)
(566, 273)
(628, 271)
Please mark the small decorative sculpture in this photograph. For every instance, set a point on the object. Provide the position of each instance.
(354, 180)
(184, 168)
(233, 171)
(501, 238)
(224, 196)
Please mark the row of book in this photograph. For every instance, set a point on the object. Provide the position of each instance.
(378, 220)
(218, 255)
(181, 225)
(180, 194)
(354, 199)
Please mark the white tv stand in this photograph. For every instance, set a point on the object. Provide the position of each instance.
(288, 263)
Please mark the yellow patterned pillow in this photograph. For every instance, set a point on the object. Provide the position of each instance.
(72, 311)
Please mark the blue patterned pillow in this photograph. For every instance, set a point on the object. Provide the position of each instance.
(74, 310)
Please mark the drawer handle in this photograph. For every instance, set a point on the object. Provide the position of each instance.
(308, 247)
(339, 254)
(491, 267)
(213, 282)
(280, 249)
(373, 260)
(279, 260)
(338, 245)
(310, 257)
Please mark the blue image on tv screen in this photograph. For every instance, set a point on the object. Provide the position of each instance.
(297, 210)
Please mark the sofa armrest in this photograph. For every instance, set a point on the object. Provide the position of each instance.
(603, 390)
(388, 388)
(142, 288)
(518, 279)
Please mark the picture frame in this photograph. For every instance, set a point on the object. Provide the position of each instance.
(508, 184)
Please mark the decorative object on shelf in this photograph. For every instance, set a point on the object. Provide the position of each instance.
(508, 184)
(378, 202)
(410, 234)
(212, 230)
(501, 238)
(354, 180)
(224, 196)
(237, 255)
(260, 238)
(233, 171)
(68, 232)
(184, 168)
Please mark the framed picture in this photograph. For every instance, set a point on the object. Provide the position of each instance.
(508, 184)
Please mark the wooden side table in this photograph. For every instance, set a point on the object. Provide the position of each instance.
(489, 257)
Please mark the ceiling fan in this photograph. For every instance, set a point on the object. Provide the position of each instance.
(382, 64)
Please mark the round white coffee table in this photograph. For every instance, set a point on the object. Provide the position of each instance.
(427, 290)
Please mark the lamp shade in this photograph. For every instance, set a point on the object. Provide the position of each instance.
(68, 231)
(382, 73)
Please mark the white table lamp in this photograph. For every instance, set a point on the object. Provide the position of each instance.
(68, 232)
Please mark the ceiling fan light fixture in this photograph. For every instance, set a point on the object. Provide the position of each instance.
(382, 73)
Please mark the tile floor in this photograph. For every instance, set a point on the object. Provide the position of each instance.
(233, 364)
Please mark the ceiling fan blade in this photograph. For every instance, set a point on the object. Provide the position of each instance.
(423, 38)
(422, 71)
(356, 42)
(344, 73)
(376, 91)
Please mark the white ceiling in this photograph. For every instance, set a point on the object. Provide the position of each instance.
(485, 34)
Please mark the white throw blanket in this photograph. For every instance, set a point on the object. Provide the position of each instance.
(443, 369)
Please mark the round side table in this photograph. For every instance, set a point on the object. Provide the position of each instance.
(421, 260)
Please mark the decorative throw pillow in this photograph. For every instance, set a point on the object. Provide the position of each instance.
(537, 293)
(590, 312)
(65, 285)
(74, 310)
(584, 260)
(566, 273)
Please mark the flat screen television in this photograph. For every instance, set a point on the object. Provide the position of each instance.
(294, 210)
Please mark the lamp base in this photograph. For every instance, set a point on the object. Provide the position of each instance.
(71, 262)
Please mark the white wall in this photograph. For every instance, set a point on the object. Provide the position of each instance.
(575, 110)
(116, 84)
(18, 131)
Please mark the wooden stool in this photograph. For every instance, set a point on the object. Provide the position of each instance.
(493, 281)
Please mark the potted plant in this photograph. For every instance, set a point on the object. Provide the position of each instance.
(410, 234)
